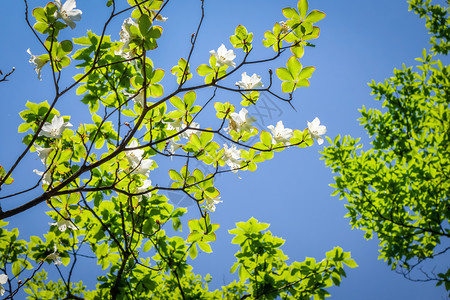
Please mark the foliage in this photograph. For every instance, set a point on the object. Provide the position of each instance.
(97, 178)
(398, 189)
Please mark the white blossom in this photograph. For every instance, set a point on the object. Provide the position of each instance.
(55, 257)
(68, 13)
(141, 167)
(187, 134)
(63, 224)
(139, 98)
(3, 280)
(125, 37)
(231, 157)
(55, 128)
(145, 185)
(47, 179)
(316, 130)
(285, 28)
(241, 121)
(159, 17)
(280, 134)
(138, 165)
(175, 125)
(224, 57)
(249, 83)
(172, 146)
(42, 153)
(38, 62)
(211, 203)
(136, 154)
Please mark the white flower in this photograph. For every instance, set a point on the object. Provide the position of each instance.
(139, 98)
(280, 134)
(231, 157)
(224, 57)
(175, 125)
(187, 134)
(42, 153)
(138, 165)
(125, 37)
(136, 154)
(141, 167)
(284, 27)
(249, 83)
(63, 224)
(316, 130)
(55, 257)
(38, 62)
(158, 17)
(47, 177)
(211, 203)
(68, 13)
(145, 185)
(56, 128)
(172, 146)
(240, 121)
(3, 280)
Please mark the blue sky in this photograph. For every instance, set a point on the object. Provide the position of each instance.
(359, 41)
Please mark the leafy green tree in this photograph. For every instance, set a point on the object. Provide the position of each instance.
(399, 189)
(97, 178)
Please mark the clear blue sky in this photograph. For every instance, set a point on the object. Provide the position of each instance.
(359, 41)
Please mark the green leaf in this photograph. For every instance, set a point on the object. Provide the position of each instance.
(144, 24)
(16, 268)
(314, 16)
(193, 251)
(306, 72)
(147, 246)
(266, 138)
(176, 101)
(302, 6)
(284, 74)
(294, 66)
(290, 13)
(204, 70)
(205, 247)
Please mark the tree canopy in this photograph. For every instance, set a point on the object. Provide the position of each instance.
(398, 190)
(97, 178)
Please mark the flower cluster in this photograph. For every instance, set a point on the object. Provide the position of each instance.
(138, 165)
